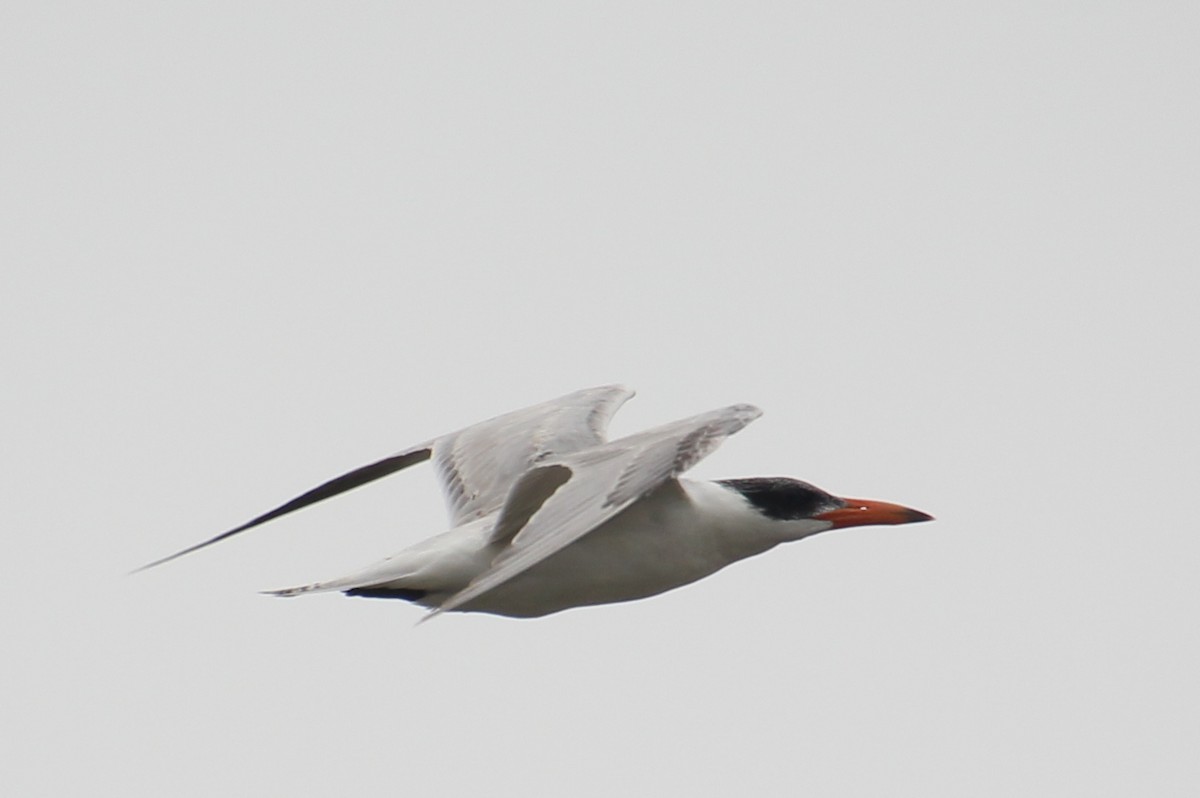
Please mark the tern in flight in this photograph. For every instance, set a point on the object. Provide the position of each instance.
(546, 514)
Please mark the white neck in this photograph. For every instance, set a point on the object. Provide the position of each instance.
(730, 509)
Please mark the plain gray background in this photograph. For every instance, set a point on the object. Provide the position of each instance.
(949, 248)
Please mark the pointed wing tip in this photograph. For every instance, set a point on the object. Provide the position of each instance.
(163, 560)
(189, 550)
(738, 416)
(735, 417)
(747, 410)
(616, 389)
(333, 487)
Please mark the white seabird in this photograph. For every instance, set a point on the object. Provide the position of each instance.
(547, 515)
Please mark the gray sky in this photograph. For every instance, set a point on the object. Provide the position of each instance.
(949, 248)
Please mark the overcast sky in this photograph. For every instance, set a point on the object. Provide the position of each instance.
(950, 249)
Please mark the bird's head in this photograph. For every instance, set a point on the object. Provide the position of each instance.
(813, 510)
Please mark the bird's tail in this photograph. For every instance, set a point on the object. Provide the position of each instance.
(315, 587)
(391, 574)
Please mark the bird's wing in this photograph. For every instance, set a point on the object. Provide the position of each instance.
(477, 465)
(347, 481)
(565, 497)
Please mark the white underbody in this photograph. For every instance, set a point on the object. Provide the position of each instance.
(682, 532)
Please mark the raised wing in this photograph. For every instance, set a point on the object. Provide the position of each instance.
(477, 465)
(565, 497)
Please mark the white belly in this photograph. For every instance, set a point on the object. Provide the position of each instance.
(675, 536)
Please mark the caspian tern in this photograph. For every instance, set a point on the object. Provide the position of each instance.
(547, 515)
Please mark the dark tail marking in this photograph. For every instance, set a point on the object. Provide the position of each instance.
(406, 593)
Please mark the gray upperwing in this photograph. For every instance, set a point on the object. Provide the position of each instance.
(478, 465)
(579, 492)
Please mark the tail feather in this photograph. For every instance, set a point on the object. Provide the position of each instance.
(362, 591)
(381, 575)
(288, 592)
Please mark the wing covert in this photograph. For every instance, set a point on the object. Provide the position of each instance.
(602, 482)
(478, 465)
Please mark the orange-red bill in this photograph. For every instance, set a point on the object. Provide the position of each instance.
(864, 512)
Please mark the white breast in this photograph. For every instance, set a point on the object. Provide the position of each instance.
(680, 533)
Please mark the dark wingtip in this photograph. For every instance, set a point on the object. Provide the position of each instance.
(347, 481)
(149, 565)
(188, 550)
